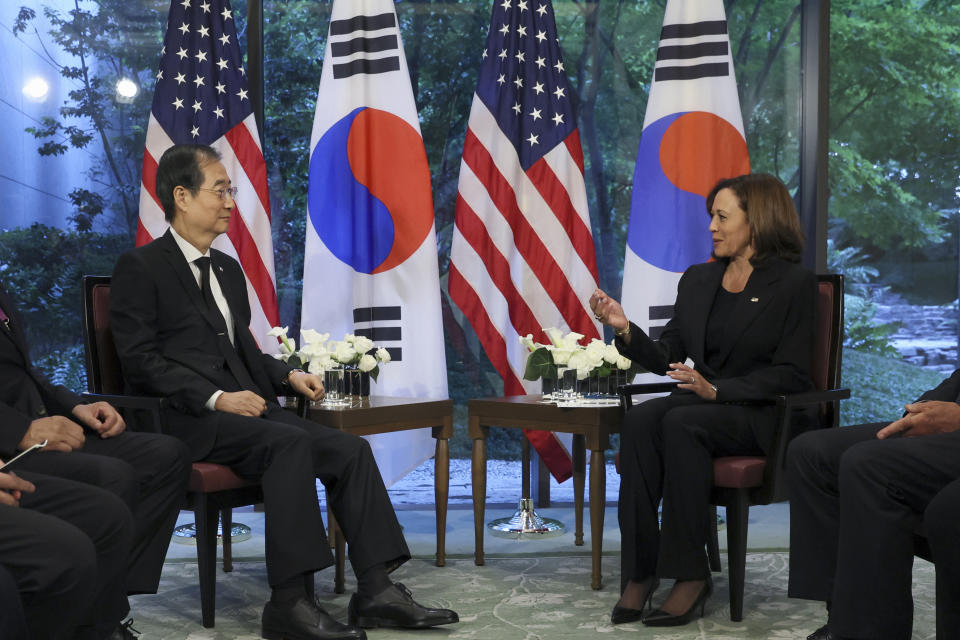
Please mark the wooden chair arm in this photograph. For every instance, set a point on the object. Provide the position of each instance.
(811, 397)
(143, 404)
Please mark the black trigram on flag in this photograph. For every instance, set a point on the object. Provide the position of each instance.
(357, 41)
(659, 313)
(384, 327)
(707, 39)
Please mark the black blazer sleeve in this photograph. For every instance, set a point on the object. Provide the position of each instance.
(656, 355)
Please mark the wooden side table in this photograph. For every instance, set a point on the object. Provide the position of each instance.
(591, 428)
(384, 414)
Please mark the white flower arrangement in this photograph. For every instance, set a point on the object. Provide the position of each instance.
(320, 354)
(566, 350)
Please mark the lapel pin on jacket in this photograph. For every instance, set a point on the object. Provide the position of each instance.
(754, 299)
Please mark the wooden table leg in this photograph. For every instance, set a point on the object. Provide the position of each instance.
(579, 470)
(479, 478)
(441, 491)
(598, 499)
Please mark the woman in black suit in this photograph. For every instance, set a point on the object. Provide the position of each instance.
(746, 320)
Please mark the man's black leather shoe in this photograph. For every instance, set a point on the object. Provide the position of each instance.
(395, 607)
(823, 633)
(304, 620)
(125, 631)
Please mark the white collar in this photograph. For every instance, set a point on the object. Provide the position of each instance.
(189, 251)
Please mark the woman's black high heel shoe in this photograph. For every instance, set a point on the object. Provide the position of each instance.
(622, 615)
(660, 618)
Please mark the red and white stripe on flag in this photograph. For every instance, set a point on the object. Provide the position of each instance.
(522, 256)
(201, 96)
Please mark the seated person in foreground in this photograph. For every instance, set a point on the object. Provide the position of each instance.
(180, 315)
(746, 320)
(856, 496)
(90, 444)
(64, 548)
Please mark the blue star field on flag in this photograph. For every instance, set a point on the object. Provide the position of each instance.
(522, 79)
(202, 89)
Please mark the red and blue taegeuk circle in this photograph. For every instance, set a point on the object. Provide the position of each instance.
(369, 190)
(681, 157)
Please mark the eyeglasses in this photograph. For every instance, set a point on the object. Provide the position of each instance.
(223, 193)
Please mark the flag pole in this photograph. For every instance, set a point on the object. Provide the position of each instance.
(255, 60)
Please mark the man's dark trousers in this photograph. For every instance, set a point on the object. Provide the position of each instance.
(854, 506)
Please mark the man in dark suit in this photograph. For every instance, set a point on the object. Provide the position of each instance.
(857, 495)
(64, 548)
(180, 316)
(89, 443)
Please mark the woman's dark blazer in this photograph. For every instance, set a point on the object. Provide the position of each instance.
(768, 341)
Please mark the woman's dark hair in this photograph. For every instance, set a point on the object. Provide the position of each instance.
(181, 166)
(771, 214)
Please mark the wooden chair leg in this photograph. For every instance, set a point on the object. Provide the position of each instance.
(205, 520)
(226, 526)
(713, 539)
(738, 512)
(339, 551)
(310, 585)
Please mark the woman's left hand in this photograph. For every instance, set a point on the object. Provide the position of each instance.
(691, 380)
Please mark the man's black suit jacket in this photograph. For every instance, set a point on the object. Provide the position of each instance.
(947, 391)
(168, 341)
(25, 394)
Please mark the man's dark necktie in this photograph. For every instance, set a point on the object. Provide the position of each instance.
(232, 353)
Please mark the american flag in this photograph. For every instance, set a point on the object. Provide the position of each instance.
(202, 97)
(522, 256)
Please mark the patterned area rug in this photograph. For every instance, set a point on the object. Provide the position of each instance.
(514, 598)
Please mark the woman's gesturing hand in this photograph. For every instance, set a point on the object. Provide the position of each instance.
(608, 311)
(691, 380)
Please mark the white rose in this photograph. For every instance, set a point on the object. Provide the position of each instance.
(320, 363)
(578, 360)
(314, 349)
(383, 355)
(367, 363)
(623, 363)
(344, 352)
(362, 344)
(571, 340)
(560, 356)
(596, 346)
(595, 358)
(610, 354)
(349, 338)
